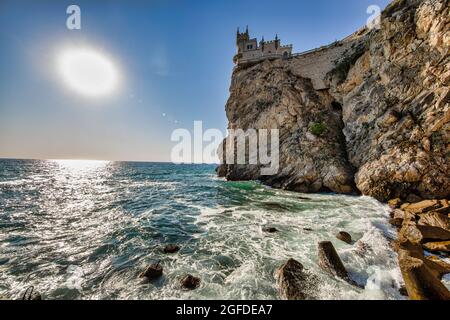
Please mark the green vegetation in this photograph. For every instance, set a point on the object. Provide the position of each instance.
(317, 128)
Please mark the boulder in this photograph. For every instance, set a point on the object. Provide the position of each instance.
(270, 229)
(396, 222)
(434, 219)
(423, 206)
(153, 271)
(293, 282)
(420, 282)
(330, 262)
(442, 246)
(171, 248)
(395, 203)
(438, 266)
(421, 234)
(344, 236)
(190, 282)
(445, 207)
(404, 215)
(413, 198)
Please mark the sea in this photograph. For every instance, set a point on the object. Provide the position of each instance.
(76, 229)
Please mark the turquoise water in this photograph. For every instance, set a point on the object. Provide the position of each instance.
(86, 229)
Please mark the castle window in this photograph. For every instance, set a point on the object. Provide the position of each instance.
(249, 47)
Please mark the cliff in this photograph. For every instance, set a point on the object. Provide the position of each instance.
(368, 114)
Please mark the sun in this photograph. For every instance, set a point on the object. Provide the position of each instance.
(88, 72)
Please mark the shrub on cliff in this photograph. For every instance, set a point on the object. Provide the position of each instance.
(317, 128)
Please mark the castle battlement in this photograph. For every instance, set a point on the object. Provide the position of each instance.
(250, 50)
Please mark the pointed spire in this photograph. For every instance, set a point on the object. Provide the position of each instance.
(276, 36)
(238, 30)
(246, 30)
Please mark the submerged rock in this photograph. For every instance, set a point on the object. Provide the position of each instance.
(190, 282)
(270, 229)
(344, 236)
(171, 248)
(153, 271)
(293, 282)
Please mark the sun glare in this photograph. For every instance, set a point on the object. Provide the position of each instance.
(88, 72)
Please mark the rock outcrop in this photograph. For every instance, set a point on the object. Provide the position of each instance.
(422, 272)
(382, 125)
(294, 282)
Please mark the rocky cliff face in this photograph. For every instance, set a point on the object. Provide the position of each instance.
(382, 127)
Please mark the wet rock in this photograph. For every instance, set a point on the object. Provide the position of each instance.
(171, 248)
(293, 282)
(329, 260)
(270, 229)
(443, 246)
(420, 282)
(221, 171)
(396, 222)
(190, 282)
(395, 203)
(344, 236)
(275, 206)
(402, 290)
(31, 294)
(435, 219)
(423, 206)
(153, 271)
(362, 248)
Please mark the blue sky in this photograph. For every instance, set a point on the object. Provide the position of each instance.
(175, 60)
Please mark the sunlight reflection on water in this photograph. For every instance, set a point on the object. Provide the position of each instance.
(85, 229)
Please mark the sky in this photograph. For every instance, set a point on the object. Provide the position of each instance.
(174, 59)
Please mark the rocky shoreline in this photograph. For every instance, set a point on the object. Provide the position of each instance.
(423, 242)
(384, 120)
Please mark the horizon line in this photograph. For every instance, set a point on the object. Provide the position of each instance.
(132, 161)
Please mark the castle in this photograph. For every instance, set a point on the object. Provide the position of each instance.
(248, 49)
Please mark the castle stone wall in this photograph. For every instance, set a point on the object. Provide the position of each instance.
(316, 64)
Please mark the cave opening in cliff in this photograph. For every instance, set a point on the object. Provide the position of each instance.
(336, 106)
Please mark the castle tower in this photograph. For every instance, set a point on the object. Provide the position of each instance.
(242, 39)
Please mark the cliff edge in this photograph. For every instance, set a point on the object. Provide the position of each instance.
(368, 114)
